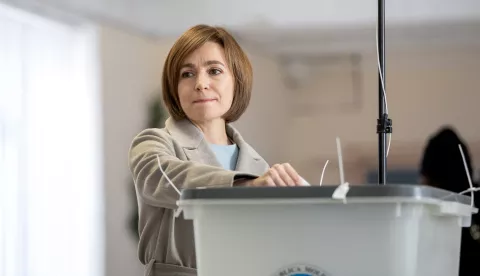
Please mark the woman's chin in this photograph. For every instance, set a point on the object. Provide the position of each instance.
(205, 115)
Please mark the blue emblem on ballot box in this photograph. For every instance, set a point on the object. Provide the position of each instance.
(301, 270)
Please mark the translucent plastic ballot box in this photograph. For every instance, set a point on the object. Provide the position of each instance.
(392, 230)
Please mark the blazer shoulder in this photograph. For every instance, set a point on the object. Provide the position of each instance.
(154, 132)
(151, 139)
(160, 134)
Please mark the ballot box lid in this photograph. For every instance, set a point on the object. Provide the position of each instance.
(419, 192)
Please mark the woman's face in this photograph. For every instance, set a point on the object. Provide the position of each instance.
(206, 85)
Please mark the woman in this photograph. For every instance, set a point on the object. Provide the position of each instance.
(207, 82)
(442, 167)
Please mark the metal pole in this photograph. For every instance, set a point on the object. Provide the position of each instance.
(383, 123)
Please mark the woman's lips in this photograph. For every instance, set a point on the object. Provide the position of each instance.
(204, 100)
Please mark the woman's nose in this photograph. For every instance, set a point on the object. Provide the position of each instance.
(202, 83)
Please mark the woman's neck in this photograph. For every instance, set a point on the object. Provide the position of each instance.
(214, 131)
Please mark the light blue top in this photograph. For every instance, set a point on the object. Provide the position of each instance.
(227, 155)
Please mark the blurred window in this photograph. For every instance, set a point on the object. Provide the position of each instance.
(50, 151)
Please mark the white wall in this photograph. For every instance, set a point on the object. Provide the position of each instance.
(131, 71)
(266, 112)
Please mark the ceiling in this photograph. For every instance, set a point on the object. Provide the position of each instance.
(174, 16)
(298, 26)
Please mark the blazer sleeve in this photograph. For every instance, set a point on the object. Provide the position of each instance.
(151, 185)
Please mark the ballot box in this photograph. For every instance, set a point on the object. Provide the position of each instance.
(391, 230)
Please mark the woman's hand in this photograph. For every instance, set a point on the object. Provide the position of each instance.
(280, 175)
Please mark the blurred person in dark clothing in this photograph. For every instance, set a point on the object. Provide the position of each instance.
(442, 167)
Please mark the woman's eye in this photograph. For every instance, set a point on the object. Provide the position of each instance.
(215, 71)
(186, 74)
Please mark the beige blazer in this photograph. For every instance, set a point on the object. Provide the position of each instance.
(166, 245)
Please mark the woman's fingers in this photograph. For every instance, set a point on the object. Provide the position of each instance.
(297, 179)
(280, 175)
(274, 173)
(283, 174)
(269, 182)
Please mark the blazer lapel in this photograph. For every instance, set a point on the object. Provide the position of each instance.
(192, 141)
(249, 161)
(202, 154)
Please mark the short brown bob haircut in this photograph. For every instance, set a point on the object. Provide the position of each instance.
(237, 62)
